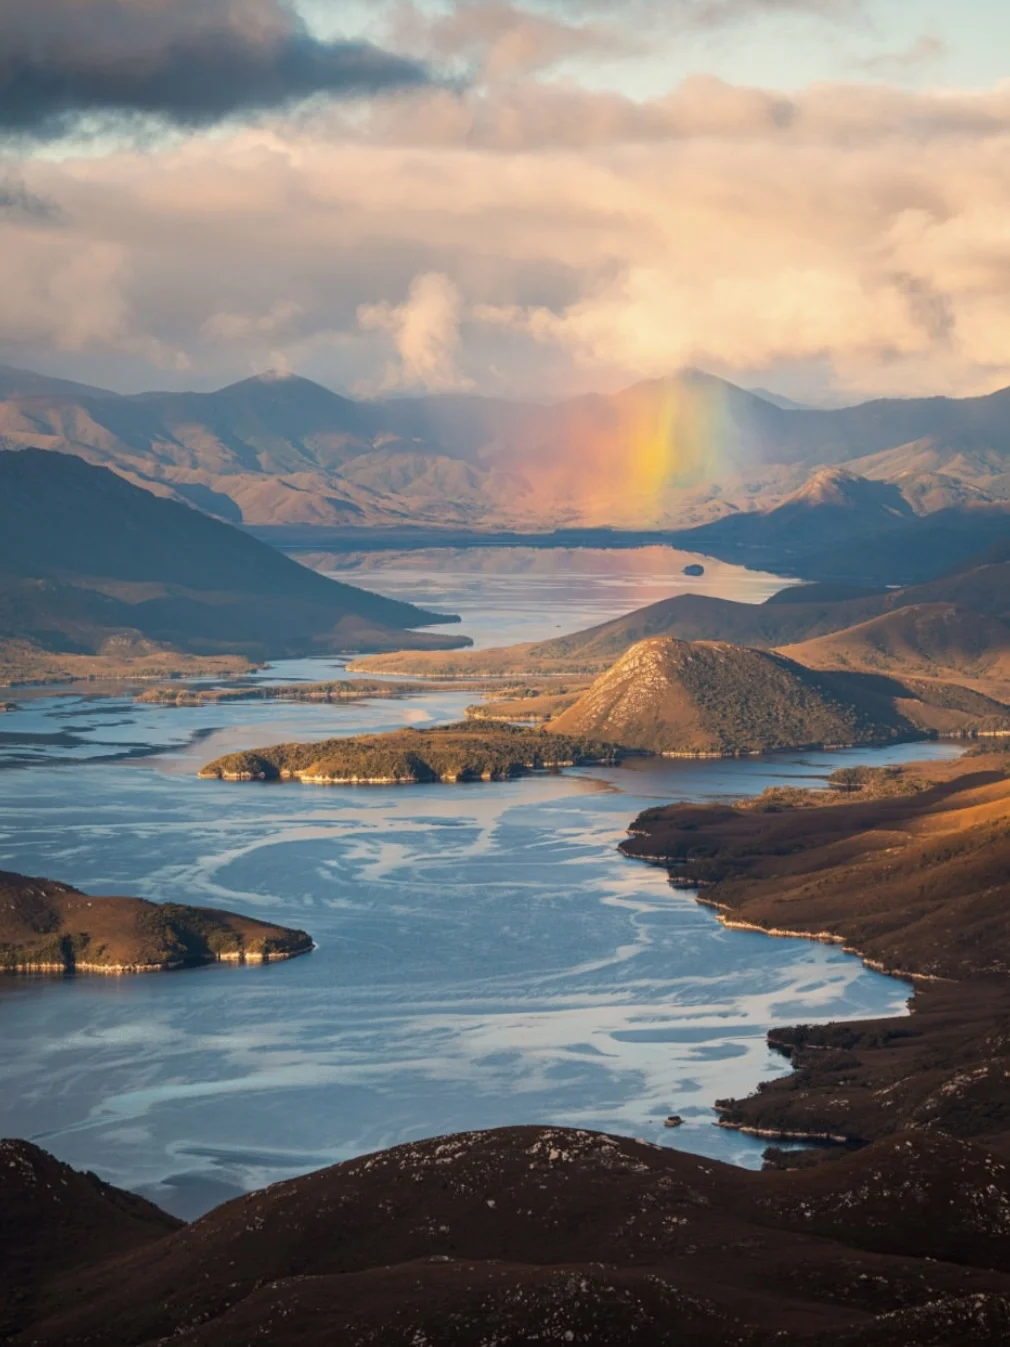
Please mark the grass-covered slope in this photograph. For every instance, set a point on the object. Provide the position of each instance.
(51, 928)
(463, 752)
(88, 561)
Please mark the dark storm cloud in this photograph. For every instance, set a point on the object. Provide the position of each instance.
(187, 62)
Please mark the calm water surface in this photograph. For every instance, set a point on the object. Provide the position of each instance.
(484, 955)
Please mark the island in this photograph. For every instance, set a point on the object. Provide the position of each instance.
(48, 927)
(447, 753)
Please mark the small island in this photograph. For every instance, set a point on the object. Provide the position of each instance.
(47, 927)
(448, 753)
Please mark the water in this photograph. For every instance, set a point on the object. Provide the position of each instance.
(485, 956)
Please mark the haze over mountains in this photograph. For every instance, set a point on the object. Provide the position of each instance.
(279, 450)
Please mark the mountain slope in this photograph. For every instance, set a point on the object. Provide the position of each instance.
(664, 453)
(87, 558)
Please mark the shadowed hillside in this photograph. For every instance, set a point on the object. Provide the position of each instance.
(541, 1235)
(92, 565)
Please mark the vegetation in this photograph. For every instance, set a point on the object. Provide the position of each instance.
(460, 752)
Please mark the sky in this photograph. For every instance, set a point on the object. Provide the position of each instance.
(519, 198)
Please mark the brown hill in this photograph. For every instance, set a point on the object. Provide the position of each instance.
(54, 1220)
(712, 698)
(553, 1236)
(51, 928)
(930, 640)
(707, 697)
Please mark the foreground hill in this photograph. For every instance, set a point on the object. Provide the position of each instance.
(705, 697)
(52, 928)
(915, 880)
(537, 1235)
(90, 564)
(463, 752)
(285, 451)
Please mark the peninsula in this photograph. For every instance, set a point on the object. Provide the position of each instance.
(907, 869)
(46, 927)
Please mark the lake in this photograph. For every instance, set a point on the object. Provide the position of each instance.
(485, 956)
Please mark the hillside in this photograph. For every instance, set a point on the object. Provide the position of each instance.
(703, 698)
(463, 752)
(930, 640)
(279, 450)
(90, 564)
(52, 928)
(551, 1236)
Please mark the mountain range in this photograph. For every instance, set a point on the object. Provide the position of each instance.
(673, 453)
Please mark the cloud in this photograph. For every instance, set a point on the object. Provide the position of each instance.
(566, 238)
(187, 62)
(425, 333)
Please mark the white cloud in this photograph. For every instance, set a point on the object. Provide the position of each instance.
(424, 330)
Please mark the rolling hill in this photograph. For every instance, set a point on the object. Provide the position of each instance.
(92, 565)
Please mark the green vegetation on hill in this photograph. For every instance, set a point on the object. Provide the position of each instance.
(461, 752)
(51, 928)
